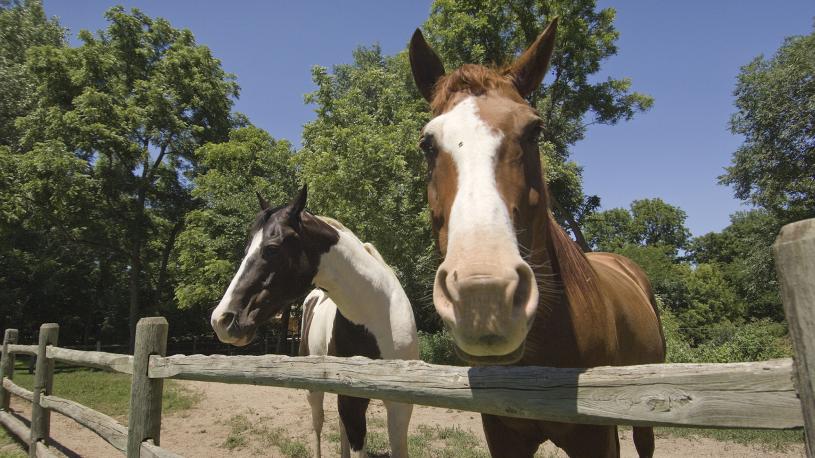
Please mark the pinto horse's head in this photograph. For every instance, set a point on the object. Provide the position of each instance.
(279, 265)
(485, 192)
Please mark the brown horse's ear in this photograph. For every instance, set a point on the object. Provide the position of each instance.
(528, 70)
(298, 203)
(264, 204)
(425, 64)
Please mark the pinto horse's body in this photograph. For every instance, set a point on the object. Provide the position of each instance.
(513, 287)
(367, 314)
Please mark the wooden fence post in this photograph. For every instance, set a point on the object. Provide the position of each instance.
(43, 384)
(7, 366)
(795, 261)
(144, 419)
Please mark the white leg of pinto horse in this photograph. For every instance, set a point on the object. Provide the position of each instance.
(398, 421)
(315, 400)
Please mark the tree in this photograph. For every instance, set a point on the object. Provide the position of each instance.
(23, 26)
(649, 222)
(132, 104)
(775, 166)
(743, 251)
(362, 166)
(214, 238)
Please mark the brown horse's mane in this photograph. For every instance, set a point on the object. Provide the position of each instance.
(470, 79)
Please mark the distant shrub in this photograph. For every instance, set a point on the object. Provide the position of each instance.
(437, 348)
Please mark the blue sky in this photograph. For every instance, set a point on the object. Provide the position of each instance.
(684, 54)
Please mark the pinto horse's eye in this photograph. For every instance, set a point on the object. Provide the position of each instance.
(269, 251)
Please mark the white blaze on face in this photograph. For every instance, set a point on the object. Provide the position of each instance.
(477, 208)
(226, 301)
(484, 291)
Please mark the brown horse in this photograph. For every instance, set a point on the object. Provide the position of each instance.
(513, 287)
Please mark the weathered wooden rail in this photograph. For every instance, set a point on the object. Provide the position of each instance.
(738, 395)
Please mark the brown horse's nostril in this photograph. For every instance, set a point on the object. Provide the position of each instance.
(526, 280)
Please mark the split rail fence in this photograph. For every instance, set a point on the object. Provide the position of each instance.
(776, 394)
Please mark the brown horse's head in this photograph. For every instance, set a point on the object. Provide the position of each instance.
(485, 192)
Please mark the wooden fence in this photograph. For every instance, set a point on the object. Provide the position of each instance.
(738, 395)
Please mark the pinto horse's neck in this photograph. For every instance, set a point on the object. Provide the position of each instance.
(367, 292)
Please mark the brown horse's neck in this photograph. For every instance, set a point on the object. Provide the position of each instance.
(570, 329)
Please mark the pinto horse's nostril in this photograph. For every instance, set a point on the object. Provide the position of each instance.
(225, 320)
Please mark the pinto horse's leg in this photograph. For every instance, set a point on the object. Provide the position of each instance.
(590, 441)
(352, 415)
(511, 437)
(398, 421)
(644, 441)
(315, 400)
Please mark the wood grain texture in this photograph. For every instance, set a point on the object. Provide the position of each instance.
(738, 395)
(794, 252)
(24, 349)
(16, 426)
(17, 390)
(144, 419)
(104, 426)
(96, 359)
(43, 384)
(7, 365)
(151, 450)
(44, 451)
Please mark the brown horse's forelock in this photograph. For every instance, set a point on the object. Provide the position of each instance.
(471, 79)
(576, 275)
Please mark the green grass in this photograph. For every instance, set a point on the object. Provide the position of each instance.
(9, 448)
(106, 392)
(244, 432)
(776, 440)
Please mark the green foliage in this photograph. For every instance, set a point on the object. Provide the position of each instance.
(437, 348)
(212, 243)
(360, 161)
(649, 222)
(773, 168)
(103, 156)
(23, 26)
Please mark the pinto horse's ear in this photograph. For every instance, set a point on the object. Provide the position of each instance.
(264, 204)
(425, 64)
(527, 71)
(298, 203)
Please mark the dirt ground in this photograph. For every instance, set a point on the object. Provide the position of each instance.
(204, 430)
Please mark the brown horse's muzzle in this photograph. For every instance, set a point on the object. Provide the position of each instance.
(488, 306)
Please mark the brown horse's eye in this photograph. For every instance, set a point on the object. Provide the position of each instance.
(427, 146)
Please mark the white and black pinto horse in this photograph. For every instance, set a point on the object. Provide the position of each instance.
(359, 310)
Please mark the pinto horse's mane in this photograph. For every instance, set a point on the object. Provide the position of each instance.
(369, 248)
(568, 260)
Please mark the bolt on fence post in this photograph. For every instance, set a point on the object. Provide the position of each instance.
(144, 419)
(43, 384)
(794, 252)
(7, 366)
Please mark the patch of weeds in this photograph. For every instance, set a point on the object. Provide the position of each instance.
(376, 422)
(239, 428)
(445, 442)
(9, 447)
(333, 436)
(775, 440)
(376, 443)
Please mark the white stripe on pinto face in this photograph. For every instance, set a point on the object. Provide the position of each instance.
(473, 144)
(223, 307)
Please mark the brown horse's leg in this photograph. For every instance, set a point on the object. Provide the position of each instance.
(352, 415)
(590, 441)
(511, 437)
(644, 441)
